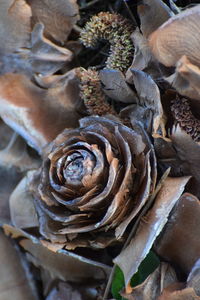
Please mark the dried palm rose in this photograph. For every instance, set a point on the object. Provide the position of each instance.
(93, 182)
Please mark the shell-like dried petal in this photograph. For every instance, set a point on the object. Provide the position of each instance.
(152, 13)
(15, 24)
(57, 17)
(35, 113)
(177, 37)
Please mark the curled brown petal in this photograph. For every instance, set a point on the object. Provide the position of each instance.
(177, 37)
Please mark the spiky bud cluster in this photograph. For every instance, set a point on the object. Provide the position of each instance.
(92, 94)
(183, 116)
(117, 30)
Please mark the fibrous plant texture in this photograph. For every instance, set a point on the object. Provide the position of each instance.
(92, 94)
(185, 119)
(115, 29)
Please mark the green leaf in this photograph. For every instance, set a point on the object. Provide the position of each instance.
(117, 283)
(148, 265)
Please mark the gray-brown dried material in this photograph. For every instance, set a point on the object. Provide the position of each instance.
(152, 14)
(183, 116)
(179, 36)
(92, 184)
(15, 25)
(58, 17)
(36, 113)
(179, 243)
(186, 79)
(150, 227)
(151, 288)
(14, 283)
(163, 284)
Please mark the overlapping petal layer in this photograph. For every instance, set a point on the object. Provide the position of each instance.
(91, 183)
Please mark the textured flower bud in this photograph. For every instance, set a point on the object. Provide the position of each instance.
(93, 183)
(92, 94)
(183, 116)
(117, 31)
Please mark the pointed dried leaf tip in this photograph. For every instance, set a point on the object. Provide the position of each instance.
(117, 30)
(183, 116)
(178, 36)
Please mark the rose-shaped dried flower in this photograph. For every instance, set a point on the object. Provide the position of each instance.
(93, 182)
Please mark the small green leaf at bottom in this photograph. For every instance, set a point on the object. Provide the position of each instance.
(148, 265)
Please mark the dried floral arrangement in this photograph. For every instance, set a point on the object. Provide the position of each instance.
(99, 150)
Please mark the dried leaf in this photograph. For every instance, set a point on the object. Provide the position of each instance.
(9, 180)
(177, 37)
(186, 79)
(38, 114)
(64, 292)
(45, 57)
(115, 86)
(65, 265)
(150, 227)
(149, 99)
(182, 232)
(153, 285)
(173, 293)
(22, 210)
(58, 17)
(143, 59)
(13, 281)
(42, 57)
(72, 291)
(193, 279)
(152, 13)
(187, 151)
(15, 154)
(14, 159)
(15, 16)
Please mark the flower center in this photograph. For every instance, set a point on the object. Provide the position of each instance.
(78, 165)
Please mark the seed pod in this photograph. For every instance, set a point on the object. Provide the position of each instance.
(178, 36)
(115, 29)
